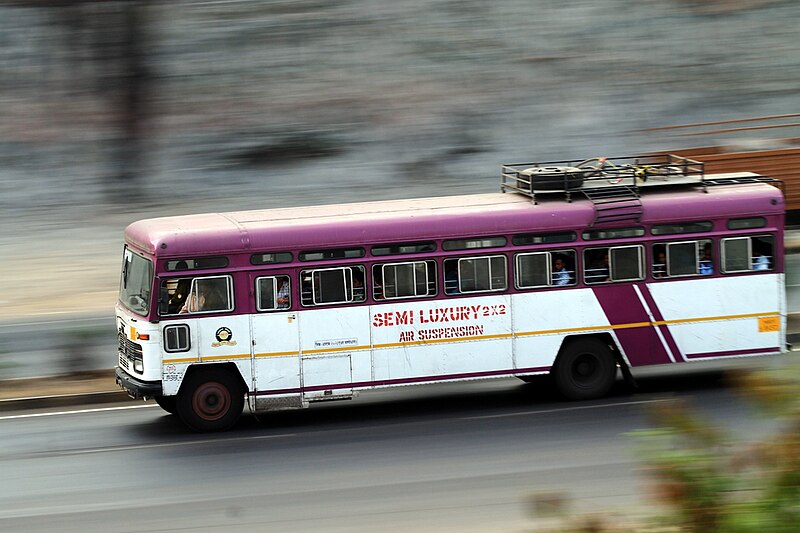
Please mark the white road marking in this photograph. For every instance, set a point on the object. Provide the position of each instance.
(562, 409)
(79, 411)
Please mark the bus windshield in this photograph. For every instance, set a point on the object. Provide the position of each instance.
(136, 283)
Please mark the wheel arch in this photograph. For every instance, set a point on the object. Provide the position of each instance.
(604, 337)
(228, 367)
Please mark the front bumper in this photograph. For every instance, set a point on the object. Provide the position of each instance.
(137, 388)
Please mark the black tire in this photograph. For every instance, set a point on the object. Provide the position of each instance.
(210, 400)
(167, 403)
(585, 369)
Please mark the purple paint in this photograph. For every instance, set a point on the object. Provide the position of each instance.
(622, 306)
(733, 353)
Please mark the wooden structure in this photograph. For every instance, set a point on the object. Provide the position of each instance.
(780, 161)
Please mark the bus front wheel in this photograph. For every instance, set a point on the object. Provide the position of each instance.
(210, 400)
(585, 369)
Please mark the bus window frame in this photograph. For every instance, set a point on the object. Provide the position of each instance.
(230, 295)
(699, 246)
(429, 264)
(550, 259)
(348, 285)
(459, 261)
(750, 264)
(274, 278)
(610, 251)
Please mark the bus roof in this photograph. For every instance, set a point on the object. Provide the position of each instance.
(327, 226)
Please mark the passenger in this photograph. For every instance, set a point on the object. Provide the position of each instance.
(182, 288)
(561, 275)
(660, 265)
(599, 272)
(205, 298)
(451, 282)
(706, 264)
(282, 297)
(358, 285)
(761, 262)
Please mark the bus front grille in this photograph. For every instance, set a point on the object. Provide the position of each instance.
(128, 350)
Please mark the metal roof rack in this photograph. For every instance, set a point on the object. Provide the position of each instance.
(613, 185)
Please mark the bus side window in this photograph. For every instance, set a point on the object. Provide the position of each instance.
(626, 263)
(743, 254)
(475, 274)
(683, 259)
(174, 292)
(332, 285)
(543, 269)
(620, 263)
(209, 295)
(763, 249)
(272, 292)
(596, 265)
(411, 279)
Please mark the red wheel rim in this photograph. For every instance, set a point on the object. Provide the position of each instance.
(211, 401)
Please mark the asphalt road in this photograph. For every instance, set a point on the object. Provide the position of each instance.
(461, 457)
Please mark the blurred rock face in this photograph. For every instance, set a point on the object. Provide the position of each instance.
(302, 101)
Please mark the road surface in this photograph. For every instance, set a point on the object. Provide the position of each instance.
(460, 457)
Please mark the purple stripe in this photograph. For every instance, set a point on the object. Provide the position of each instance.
(730, 353)
(406, 381)
(663, 328)
(622, 306)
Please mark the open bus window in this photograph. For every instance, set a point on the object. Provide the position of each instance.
(475, 274)
(174, 292)
(620, 263)
(544, 269)
(413, 279)
(332, 286)
(196, 295)
(272, 292)
(687, 258)
(742, 254)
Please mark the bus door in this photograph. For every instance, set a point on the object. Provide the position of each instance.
(334, 341)
(275, 343)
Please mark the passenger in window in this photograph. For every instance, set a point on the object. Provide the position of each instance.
(358, 285)
(182, 288)
(451, 281)
(178, 298)
(598, 271)
(206, 298)
(761, 261)
(660, 264)
(282, 297)
(561, 275)
(706, 263)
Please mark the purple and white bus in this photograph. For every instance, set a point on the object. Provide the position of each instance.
(280, 308)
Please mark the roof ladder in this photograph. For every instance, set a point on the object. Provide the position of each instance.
(616, 203)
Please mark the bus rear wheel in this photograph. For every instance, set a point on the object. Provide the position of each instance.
(210, 401)
(585, 369)
(167, 403)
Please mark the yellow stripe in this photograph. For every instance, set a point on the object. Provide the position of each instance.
(276, 354)
(710, 318)
(224, 357)
(183, 360)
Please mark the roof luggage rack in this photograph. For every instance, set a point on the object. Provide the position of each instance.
(611, 184)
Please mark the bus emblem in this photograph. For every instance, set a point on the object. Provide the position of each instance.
(224, 336)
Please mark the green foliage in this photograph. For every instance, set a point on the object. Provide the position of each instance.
(708, 482)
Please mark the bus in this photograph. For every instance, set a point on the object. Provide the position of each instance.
(579, 272)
